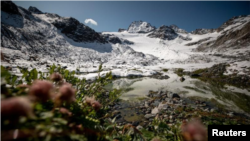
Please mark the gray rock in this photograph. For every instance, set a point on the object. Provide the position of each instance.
(118, 116)
(115, 112)
(206, 110)
(160, 92)
(147, 116)
(182, 79)
(156, 103)
(174, 95)
(231, 114)
(163, 106)
(139, 127)
(171, 117)
(212, 110)
(135, 123)
(155, 111)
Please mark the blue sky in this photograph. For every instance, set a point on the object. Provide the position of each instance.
(111, 15)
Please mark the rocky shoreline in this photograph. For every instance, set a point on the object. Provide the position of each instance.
(172, 108)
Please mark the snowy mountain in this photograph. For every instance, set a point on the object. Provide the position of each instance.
(140, 27)
(34, 39)
(54, 39)
(177, 29)
(235, 35)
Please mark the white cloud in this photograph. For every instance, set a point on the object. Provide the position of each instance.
(91, 21)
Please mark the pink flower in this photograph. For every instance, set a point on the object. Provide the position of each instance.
(96, 105)
(15, 107)
(66, 93)
(56, 77)
(92, 102)
(65, 111)
(89, 100)
(194, 131)
(41, 90)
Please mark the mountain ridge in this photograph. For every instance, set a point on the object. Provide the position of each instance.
(52, 39)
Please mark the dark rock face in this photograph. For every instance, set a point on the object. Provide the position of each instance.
(14, 36)
(77, 31)
(125, 41)
(164, 32)
(35, 10)
(185, 38)
(121, 30)
(203, 31)
(113, 39)
(9, 7)
(6, 33)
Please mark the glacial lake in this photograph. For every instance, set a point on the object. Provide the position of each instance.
(228, 97)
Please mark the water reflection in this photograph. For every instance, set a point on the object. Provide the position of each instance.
(232, 98)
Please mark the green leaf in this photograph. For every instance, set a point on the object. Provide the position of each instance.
(100, 68)
(14, 78)
(113, 120)
(34, 74)
(66, 74)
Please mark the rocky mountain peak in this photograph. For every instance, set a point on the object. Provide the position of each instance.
(140, 27)
(35, 10)
(234, 34)
(177, 29)
(77, 31)
(231, 21)
(164, 32)
(9, 7)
